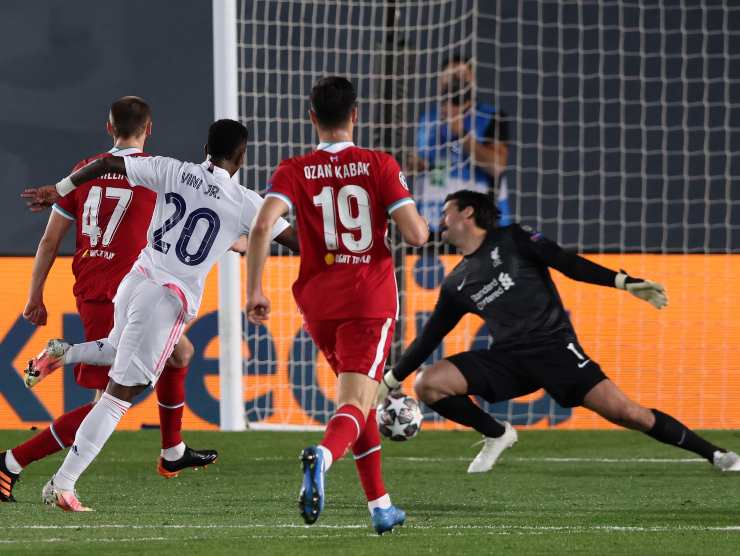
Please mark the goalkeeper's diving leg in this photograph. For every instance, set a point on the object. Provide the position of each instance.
(612, 404)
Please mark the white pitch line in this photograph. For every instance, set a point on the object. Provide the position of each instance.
(522, 459)
(615, 460)
(502, 527)
(99, 540)
(187, 526)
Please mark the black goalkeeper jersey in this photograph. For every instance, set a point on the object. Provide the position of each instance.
(507, 283)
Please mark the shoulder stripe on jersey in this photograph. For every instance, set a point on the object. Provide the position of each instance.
(399, 204)
(63, 212)
(282, 197)
(334, 147)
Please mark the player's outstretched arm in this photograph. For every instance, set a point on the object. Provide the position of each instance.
(258, 305)
(414, 229)
(46, 253)
(579, 268)
(649, 291)
(39, 198)
(442, 320)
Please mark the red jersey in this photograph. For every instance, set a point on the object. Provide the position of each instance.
(342, 196)
(112, 219)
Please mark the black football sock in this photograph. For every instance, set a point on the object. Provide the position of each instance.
(461, 409)
(670, 431)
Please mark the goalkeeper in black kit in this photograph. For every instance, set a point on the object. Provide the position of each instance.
(504, 279)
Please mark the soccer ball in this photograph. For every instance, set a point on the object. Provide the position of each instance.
(399, 417)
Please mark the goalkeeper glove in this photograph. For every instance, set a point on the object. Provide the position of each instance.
(652, 292)
(388, 383)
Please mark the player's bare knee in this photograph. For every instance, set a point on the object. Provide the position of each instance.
(125, 393)
(430, 386)
(183, 353)
(421, 387)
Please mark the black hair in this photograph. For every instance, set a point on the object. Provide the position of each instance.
(485, 212)
(332, 100)
(129, 116)
(224, 138)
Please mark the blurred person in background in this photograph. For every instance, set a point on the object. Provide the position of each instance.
(460, 144)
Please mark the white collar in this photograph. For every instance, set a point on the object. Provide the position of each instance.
(125, 151)
(334, 147)
(215, 170)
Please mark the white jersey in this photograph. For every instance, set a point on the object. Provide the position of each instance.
(199, 214)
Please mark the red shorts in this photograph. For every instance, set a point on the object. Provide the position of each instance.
(97, 322)
(354, 345)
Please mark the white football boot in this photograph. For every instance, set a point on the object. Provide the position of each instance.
(65, 499)
(492, 450)
(49, 360)
(726, 461)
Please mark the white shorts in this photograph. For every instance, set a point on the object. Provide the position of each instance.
(149, 319)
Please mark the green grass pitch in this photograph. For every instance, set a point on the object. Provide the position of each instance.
(555, 492)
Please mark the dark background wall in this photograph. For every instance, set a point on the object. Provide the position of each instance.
(624, 131)
(62, 63)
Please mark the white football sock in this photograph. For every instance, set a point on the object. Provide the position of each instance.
(99, 352)
(382, 502)
(11, 463)
(328, 458)
(174, 452)
(92, 435)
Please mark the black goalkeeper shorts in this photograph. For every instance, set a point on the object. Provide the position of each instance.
(499, 374)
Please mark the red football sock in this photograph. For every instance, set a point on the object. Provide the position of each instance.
(343, 430)
(59, 435)
(368, 459)
(171, 396)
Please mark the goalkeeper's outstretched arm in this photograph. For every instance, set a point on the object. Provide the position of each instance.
(442, 320)
(579, 268)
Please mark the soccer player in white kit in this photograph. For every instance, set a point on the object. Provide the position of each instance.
(200, 212)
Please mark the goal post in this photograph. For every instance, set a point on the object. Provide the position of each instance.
(230, 363)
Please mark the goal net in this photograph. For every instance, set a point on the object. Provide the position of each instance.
(608, 127)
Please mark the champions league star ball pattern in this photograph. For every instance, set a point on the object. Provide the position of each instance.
(399, 417)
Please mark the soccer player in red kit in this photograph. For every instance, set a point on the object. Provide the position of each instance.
(111, 219)
(342, 196)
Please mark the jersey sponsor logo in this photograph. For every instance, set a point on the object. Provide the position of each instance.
(462, 284)
(99, 253)
(496, 258)
(343, 258)
(492, 290)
